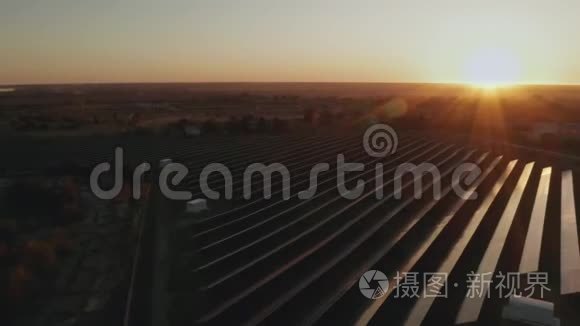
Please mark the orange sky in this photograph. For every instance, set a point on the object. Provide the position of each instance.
(64, 41)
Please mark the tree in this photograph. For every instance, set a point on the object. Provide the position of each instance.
(327, 117)
(309, 115)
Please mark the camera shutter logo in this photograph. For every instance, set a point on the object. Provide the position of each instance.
(373, 284)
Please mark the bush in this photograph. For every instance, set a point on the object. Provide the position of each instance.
(279, 126)
(209, 126)
(143, 131)
(28, 199)
(262, 125)
(233, 126)
(41, 205)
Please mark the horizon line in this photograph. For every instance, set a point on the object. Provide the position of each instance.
(449, 83)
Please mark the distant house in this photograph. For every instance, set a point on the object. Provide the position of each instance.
(183, 128)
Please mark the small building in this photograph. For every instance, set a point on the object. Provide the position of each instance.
(191, 131)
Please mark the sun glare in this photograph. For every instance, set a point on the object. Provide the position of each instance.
(492, 68)
(490, 85)
(486, 85)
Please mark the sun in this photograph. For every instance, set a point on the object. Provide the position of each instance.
(487, 85)
(491, 68)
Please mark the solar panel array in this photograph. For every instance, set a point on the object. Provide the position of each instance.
(299, 261)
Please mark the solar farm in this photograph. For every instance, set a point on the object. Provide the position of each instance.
(288, 260)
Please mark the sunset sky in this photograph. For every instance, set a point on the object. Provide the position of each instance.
(64, 41)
